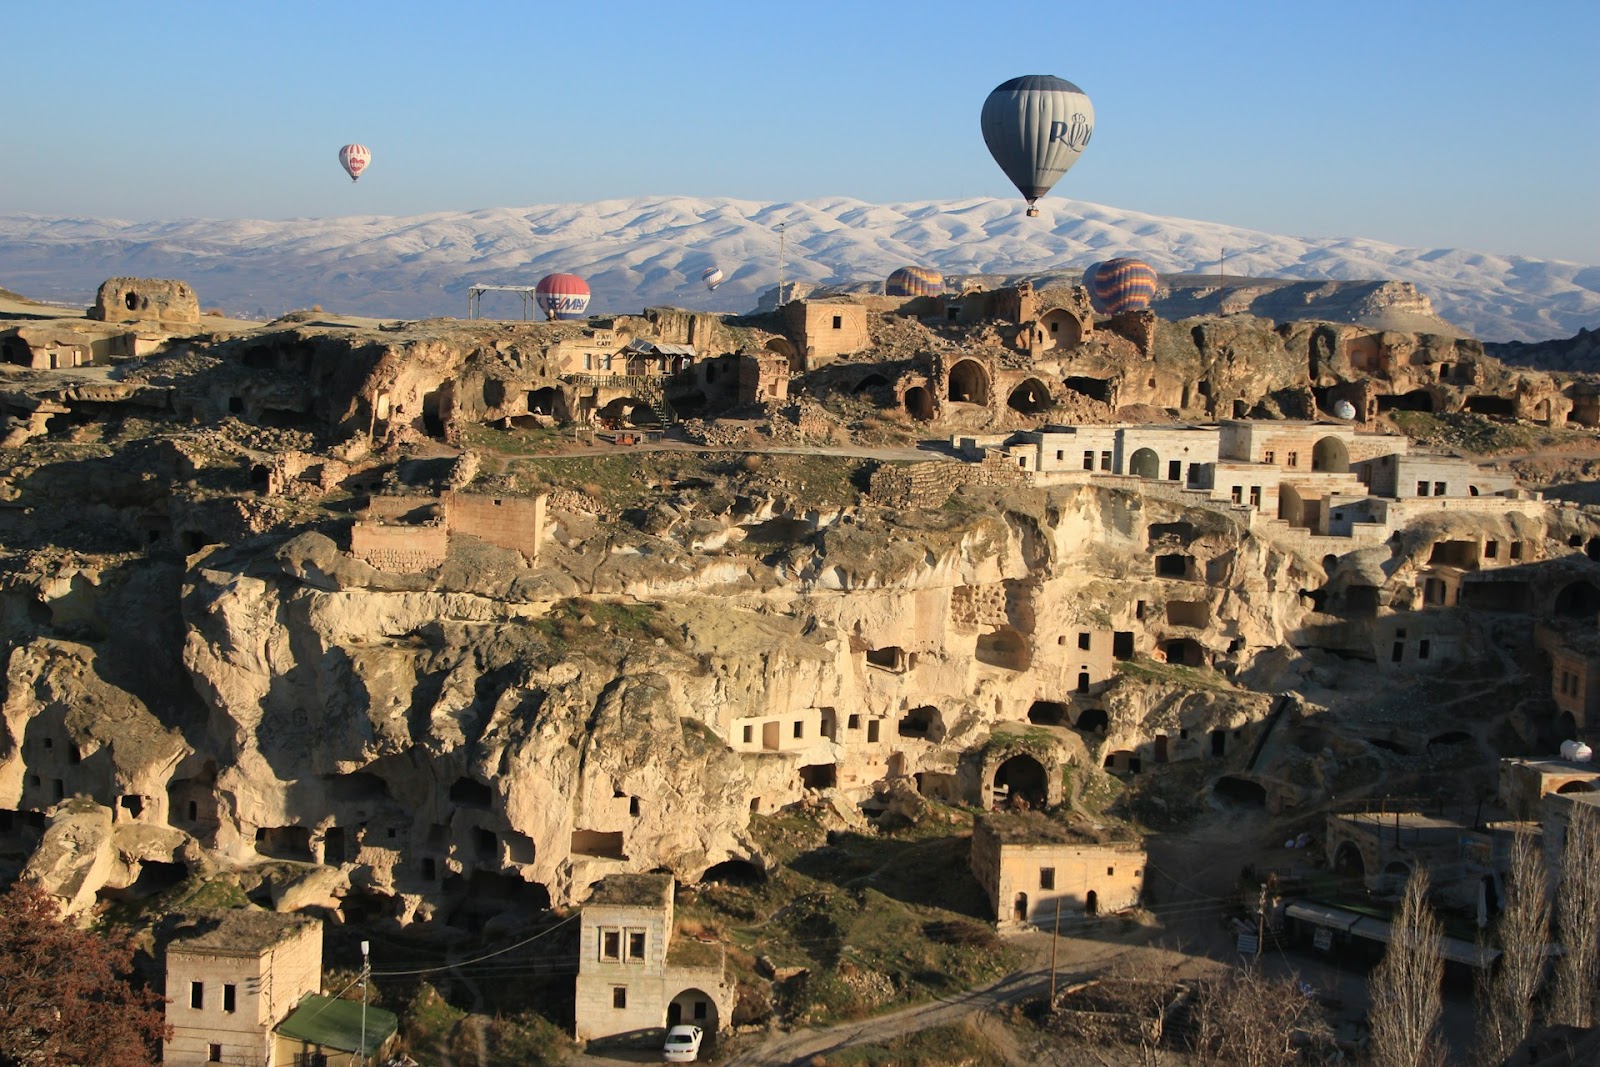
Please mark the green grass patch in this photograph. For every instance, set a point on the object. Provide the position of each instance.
(1176, 674)
(584, 625)
(1478, 434)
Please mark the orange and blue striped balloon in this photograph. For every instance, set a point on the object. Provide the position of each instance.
(914, 281)
(1123, 284)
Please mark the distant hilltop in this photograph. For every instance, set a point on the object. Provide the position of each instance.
(653, 250)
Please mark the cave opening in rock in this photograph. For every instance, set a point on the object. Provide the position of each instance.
(923, 722)
(1092, 721)
(1241, 792)
(1021, 779)
(734, 872)
(1093, 388)
(1030, 398)
(969, 383)
(471, 793)
(1048, 713)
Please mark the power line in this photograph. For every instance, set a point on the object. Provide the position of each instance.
(477, 959)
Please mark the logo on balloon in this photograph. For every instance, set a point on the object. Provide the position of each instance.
(1074, 134)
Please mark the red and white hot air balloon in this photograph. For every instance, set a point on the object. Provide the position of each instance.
(354, 159)
(562, 296)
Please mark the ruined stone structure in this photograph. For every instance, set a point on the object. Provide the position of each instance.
(160, 301)
(636, 977)
(823, 330)
(1034, 870)
(407, 534)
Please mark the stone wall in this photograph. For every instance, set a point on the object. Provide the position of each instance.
(1029, 882)
(509, 522)
(146, 300)
(825, 330)
(400, 549)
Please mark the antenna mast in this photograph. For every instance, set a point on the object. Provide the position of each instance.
(781, 226)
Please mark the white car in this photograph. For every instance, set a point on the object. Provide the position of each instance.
(682, 1045)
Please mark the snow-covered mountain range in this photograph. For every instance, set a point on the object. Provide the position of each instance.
(649, 251)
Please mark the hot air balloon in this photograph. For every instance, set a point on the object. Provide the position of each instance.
(354, 159)
(1123, 284)
(914, 281)
(1344, 409)
(712, 276)
(1036, 126)
(562, 296)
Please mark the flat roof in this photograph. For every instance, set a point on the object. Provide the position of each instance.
(632, 889)
(237, 931)
(1037, 828)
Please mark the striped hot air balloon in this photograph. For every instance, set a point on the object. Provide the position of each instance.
(914, 281)
(1122, 284)
(712, 276)
(354, 159)
(562, 296)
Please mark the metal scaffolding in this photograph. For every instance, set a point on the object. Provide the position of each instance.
(476, 292)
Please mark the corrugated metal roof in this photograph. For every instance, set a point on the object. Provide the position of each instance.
(337, 1024)
(1358, 925)
(659, 348)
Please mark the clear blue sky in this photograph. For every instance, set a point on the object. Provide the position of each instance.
(1435, 124)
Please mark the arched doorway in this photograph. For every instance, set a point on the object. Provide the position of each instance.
(629, 410)
(969, 384)
(1331, 455)
(1019, 908)
(1577, 600)
(1348, 862)
(1022, 778)
(783, 348)
(693, 1006)
(1030, 398)
(1091, 903)
(1058, 328)
(1145, 464)
(919, 403)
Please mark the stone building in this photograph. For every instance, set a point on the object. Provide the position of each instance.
(1032, 866)
(231, 977)
(635, 978)
(409, 534)
(157, 300)
(1524, 783)
(823, 330)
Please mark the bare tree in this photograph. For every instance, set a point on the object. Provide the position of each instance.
(1576, 998)
(1249, 1020)
(1405, 986)
(1506, 994)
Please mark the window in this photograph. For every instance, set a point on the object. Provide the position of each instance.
(1439, 489)
(1422, 648)
(838, 322)
(229, 999)
(214, 1053)
(699, 1009)
(635, 944)
(1174, 470)
(1088, 461)
(1237, 494)
(197, 995)
(1060, 455)
(1111, 871)
(1491, 549)
(749, 733)
(853, 722)
(1022, 461)
(799, 728)
(1083, 641)
(1105, 461)
(1255, 496)
(619, 996)
(1047, 877)
(1294, 459)
(610, 944)
(872, 730)
(1269, 456)
(1422, 488)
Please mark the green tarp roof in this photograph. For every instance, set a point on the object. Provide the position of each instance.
(337, 1024)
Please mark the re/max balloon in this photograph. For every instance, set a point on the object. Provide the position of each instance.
(1036, 127)
(914, 281)
(354, 159)
(562, 296)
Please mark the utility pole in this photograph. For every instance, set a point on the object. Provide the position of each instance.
(781, 227)
(366, 969)
(1261, 921)
(1055, 937)
(1222, 267)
